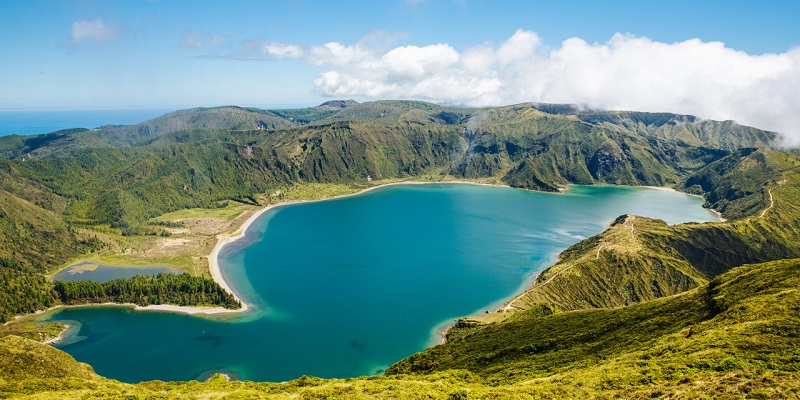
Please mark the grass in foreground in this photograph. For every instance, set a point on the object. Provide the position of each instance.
(717, 340)
(735, 337)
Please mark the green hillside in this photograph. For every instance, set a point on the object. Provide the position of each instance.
(215, 157)
(736, 335)
(641, 310)
(639, 259)
(731, 338)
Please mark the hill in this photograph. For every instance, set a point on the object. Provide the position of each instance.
(643, 309)
(639, 259)
(733, 337)
(116, 179)
(211, 158)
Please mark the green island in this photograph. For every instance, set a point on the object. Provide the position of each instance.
(643, 309)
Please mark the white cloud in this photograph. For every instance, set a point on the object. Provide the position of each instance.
(282, 51)
(706, 79)
(95, 30)
(402, 72)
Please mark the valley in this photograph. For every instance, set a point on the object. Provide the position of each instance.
(642, 309)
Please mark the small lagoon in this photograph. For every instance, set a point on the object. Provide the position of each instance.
(347, 287)
(103, 273)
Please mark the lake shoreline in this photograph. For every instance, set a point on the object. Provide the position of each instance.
(241, 231)
(214, 266)
(60, 337)
(393, 201)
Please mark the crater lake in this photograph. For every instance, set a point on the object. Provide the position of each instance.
(347, 287)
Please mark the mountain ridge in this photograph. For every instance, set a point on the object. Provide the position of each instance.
(118, 185)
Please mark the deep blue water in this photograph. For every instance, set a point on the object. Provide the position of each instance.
(347, 287)
(46, 121)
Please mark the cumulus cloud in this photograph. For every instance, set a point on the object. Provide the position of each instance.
(706, 79)
(434, 72)
(94, 30)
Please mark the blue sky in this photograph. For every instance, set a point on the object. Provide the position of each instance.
(609, 54)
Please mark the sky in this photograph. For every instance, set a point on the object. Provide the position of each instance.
(720, 60)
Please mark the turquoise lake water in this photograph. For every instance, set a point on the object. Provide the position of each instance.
(347, 287)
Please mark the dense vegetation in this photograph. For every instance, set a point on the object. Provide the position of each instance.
(734, 337)
(24, 293)
(124, 175)
(182, 290)
(641, 310)
(640, 259)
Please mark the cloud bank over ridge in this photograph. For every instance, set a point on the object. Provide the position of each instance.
(706, 79)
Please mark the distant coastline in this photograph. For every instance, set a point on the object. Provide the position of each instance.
(37, 122)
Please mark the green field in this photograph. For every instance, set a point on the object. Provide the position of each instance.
(229, 212)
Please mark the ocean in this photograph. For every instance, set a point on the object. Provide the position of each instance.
(32, 122)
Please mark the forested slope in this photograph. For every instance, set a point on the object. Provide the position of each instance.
(196, 165)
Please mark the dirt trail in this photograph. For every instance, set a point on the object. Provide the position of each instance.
(771, 200)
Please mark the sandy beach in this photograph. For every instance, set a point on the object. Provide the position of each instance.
(60, 336)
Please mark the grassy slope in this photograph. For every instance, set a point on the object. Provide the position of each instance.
(195, 167)
(736, 335)
(35, 237)
(722, 337)
(641, 259)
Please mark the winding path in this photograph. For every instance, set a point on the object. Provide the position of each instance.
(597, 257)
(510, 303)
(771, 203)
(771, 200)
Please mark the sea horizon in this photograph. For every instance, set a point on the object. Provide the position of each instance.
(35, 122)
(28, 121)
